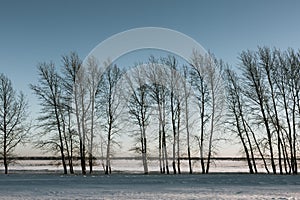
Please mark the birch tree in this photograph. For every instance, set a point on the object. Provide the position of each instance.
(186, 92)
(200, 88)
(158, 93)
(139, 108)
(109, 104)
(206, 79)
(93, 79)
(216, 90)
(75, 87)
(174, 83)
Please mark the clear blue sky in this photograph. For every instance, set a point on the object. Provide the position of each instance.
(36, 31)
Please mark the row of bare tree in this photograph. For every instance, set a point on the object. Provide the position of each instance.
(173, 108)
(85, 106)
(263, 101)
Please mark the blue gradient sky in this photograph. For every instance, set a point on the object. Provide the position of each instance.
(37, 31)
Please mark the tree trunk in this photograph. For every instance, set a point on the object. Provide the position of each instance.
(144, 153)
(252, 154)
(178, 140)
(173, 118)
(5, 140)
(285, 156)
(92, 130)
(247, 155)
(108, 167)
(244, 143)
(70, 153)
(63, 160)
(211, 130)
(190, 160)
(187, 124)
(174, 144)
(294, 139)
(5, 156)
(160, 152)
(174, 139)
(70, 163)
(277, 125)
(83, 136)
(202, 108)
(82, 159)
(5, 166)
(60, 138)
(91, 162)
(164, 145)
(268, 130)
(257, 145)
(161, 135)
(80, 133)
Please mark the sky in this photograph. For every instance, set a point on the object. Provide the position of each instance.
(35, 31)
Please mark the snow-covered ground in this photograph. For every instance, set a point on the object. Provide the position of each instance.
(43, 179)
(133, 165)
(130, 186)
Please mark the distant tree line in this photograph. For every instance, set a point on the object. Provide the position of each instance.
(177, 109)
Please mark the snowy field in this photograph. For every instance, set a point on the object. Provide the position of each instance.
(130, 186)
(43, 179)
(133, 165)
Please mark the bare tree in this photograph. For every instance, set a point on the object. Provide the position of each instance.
(216, 90)
(74, 88)
(158, 93)
(293, 61)
(81, 109)
(49, 92)
(93, 78)
(267, 62)
(68, 132)
(178, 113)
(187, 91)
(270, 82)
(200, 88)
(257, 94)
(282, 75)
(109, 103)
(288, 85)
(174, 83)
(236, 113)
(13, 111)
(206, 78)
(82, 83)
(139, 108)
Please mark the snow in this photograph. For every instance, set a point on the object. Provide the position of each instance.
(133, 165)
(42, 179)
(153, 186)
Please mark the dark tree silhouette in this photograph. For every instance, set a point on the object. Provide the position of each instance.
(13, 111)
